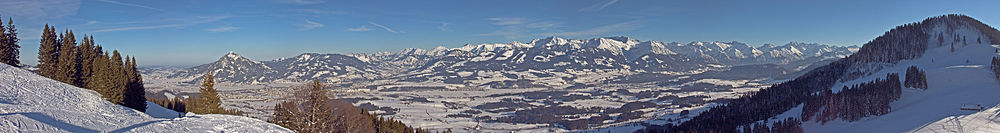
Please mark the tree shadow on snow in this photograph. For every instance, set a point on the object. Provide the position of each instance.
(122, 130)
(53, 122)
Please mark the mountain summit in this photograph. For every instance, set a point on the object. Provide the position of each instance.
(229, 68)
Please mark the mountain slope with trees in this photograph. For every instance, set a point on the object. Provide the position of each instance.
(891, 53)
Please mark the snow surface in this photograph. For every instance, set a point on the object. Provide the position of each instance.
(32, 103)
(982, 122)
(952, 83)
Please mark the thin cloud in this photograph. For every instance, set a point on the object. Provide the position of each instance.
(443, 27)
(39, 8)
(509, 32)
(512, 28)
(304, 2)
(90, 22)
(360, 29)
(507, 21)
(223, 29)
(598, 6)
(385, 28)
(617, 27)
(183, 23)
(309, 25)
(140, 28)
(321, 12)
(132, 5)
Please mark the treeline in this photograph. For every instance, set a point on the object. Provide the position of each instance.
(312, 111)
(789, 125)
(9, 49)
(915, 78)
(87, 65)
(175, 104)
(854, 103)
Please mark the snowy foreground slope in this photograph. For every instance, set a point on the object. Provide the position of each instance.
(984, 121)
(32, 103)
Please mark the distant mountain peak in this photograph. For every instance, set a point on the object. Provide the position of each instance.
(233, 55)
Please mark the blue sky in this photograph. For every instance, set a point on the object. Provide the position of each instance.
(191, 32)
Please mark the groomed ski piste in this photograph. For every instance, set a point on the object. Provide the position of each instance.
(32, 103)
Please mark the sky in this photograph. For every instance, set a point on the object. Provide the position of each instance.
(192, 32)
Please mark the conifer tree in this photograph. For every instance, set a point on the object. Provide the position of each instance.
(99, 78)
(9, 49)
(87, 55)
(3, 43)
(135, 93)
(68, 60)
(117, 79)
(48, 53)
(941, 39)
(208, 99)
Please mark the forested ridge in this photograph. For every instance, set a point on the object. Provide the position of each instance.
(900, 43)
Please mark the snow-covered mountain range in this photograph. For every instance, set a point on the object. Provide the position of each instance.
(541, 56)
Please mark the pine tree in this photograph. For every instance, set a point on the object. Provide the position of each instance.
(48, 53)
(68, 71)
(208, 99)
(135, 93)
(3, 43)
(941, 39)
(9, 49)
(87, 55)
(98, 81)
(117, 79)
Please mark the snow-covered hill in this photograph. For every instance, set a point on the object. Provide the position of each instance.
(979, 122)
(32, 103)
(954, 51)
(953, 83)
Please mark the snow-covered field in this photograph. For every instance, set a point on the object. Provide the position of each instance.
(463, 108)
(32, 103)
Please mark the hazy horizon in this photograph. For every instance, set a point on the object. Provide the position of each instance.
(192, 32)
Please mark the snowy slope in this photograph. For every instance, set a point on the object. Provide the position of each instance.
(980, 122)
(31, 103)
(952, 84)
(955, 79)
